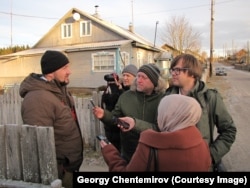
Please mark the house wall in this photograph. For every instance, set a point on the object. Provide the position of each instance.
(14, 71)
(99, 34)
(81, 66)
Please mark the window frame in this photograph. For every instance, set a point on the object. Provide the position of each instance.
(85, 28)
(66, 30)
(110, 64)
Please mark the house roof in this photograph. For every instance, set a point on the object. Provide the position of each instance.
(117, 29)
(71, 48)
(130, 37)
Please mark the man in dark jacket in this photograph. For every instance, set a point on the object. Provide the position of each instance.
(47, 102)
(110, 96)
(140, 102)
(186, 73)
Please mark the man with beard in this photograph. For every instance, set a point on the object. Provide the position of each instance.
(47, 102)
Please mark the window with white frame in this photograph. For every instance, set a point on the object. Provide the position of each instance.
(85, 28)
(103, 61)
(139, 59)
(124, 59)
(150, 58)
(66, 30)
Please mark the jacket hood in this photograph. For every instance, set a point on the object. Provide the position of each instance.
(35, 82)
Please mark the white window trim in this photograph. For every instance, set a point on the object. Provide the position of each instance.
(62, 31)
(81, 28)
(103, 63)
(124, 59)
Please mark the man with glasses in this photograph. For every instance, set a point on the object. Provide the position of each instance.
(186, 73)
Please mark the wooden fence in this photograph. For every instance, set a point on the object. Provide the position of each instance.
(27, 154)
(10, 113)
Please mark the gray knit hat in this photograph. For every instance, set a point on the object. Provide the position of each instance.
(52, 61)
(131, 69)
(152, 71)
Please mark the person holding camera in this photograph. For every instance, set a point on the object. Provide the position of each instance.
(140, 102)
(115, 87)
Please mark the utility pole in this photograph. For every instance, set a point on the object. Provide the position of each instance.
(157, 22)
(211, 38)
(11, 23)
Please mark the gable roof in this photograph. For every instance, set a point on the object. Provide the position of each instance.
(130, 37)
(117, 29)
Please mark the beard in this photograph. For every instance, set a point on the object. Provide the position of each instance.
(64, 83)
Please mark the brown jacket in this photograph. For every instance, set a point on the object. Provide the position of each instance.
(49, 104)
(182, 150)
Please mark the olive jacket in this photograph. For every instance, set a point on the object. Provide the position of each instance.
(214, 114)
(50, 104)
(181, 150)
(139, 106)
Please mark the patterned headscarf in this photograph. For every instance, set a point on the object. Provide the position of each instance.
(177, 112)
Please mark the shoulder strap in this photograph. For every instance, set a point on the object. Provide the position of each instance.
(153, 156)
(207, 95)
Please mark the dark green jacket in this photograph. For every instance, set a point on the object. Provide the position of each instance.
(139, 106)
(210, 100)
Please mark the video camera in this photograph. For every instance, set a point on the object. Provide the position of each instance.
(110, 77)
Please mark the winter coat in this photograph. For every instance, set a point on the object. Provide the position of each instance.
(181, 150)
(214, 113)
(49, 104)
(139, 106)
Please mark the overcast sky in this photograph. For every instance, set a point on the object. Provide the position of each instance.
(24, 22)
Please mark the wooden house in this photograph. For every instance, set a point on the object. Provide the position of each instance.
(94, 47)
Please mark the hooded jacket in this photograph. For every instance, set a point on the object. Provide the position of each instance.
(214, 113)
(182, 150)
(47, 103)
(141, 107)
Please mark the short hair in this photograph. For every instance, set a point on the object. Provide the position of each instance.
(190, 62)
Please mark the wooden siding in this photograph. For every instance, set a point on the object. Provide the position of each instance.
(99, 34)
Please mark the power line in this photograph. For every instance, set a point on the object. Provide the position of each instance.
(154, 12)
(23, 15)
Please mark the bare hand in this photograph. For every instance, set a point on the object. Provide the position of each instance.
(98, 112)
(102, 143)
(130, 121)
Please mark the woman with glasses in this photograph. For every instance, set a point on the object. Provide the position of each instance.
(186, 73)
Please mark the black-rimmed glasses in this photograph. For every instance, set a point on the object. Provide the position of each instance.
(177, 70)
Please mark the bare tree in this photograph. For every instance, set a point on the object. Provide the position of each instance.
(179, 34)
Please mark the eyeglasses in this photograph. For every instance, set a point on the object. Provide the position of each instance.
(177, 70)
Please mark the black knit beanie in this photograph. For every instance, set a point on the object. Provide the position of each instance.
(52, 61)
(152, 72)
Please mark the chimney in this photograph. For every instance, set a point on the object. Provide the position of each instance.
(96, 12)
(131, 27)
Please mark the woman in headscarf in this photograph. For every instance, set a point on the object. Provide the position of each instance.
(179, 143)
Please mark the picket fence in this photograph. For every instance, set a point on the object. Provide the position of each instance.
(10, 113)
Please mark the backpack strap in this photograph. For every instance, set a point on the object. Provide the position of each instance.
(209, 116)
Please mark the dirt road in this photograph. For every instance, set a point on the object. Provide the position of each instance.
(236, 93)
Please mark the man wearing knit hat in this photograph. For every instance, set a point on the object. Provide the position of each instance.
(128, 75)
(110, 96)
(47, 102)
(139, 104)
